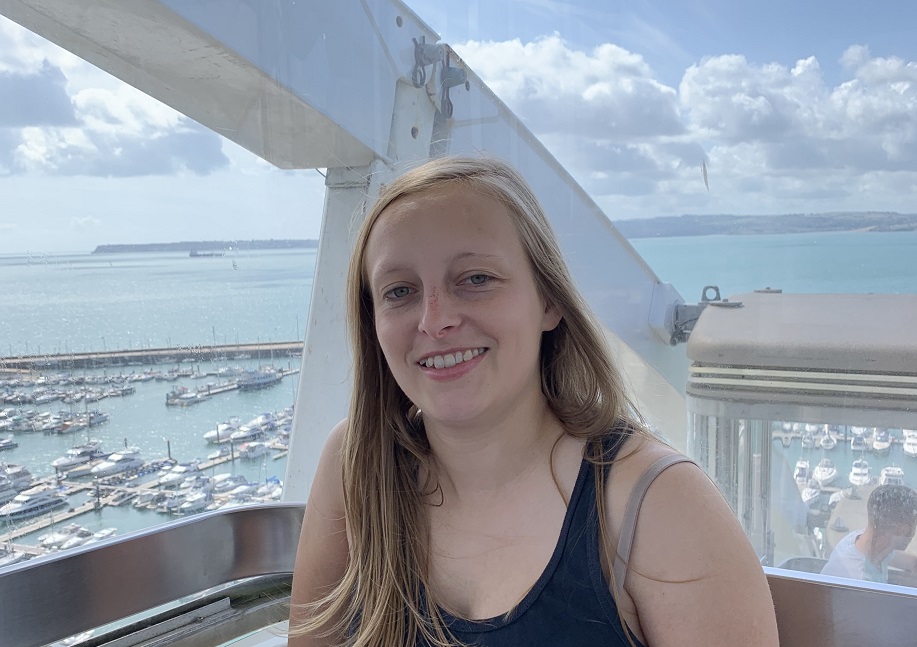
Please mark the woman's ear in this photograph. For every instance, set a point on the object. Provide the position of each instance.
(551, 318)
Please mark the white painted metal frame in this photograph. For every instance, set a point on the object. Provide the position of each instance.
(327, 84)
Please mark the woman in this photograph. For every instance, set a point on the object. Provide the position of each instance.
(477, 492)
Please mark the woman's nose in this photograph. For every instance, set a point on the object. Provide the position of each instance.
(440, 313)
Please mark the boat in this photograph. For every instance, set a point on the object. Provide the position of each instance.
(206, 254)
(7, 491)
(801, 473)
(811, 492)
(195, 502)
(858, 443)
(10, 557)
(8, 443)
(881, 442)
(808, 440)
(245, 433)
(78, 455)
(33, 502)
(122, 461)
(891, 475)
(859, 472)
(259, 379)
(105, 533)
(174, 477)
(910, 442)
(18, 475)
(252, 449)
(827, 441)
(825, 472)
(182, 397)
(56, 538)
(225, 482)
(78, 538)
(223, 431)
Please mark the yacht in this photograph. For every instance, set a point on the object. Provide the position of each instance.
(121, 461)
(891, 475)
(808, 440)
(19, 476)
(910, 442)
(858, 443)
(801, 473)
(246, 433)
(223, 431)
(253, 449)
(264, 377)
(57, 538)
(859, 473)
(32, 502)
(178, 473)
(195, 502)
(79, 455)
(825, 472)
(881, 442)
(8, 443)
(811, 492)
(105, 533)
(827, 441)
(7, 491)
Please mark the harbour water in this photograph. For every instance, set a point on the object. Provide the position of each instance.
(85, 302)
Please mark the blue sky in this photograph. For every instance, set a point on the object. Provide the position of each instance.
(794, 107)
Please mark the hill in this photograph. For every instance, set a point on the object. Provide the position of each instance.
(693, 225)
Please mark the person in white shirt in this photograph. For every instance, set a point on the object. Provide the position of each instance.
(866, 554)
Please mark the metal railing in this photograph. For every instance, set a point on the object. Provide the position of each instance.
(244, 558)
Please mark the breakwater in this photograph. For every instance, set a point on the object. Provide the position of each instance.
(151, 356)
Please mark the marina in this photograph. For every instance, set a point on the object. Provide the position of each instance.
(100, 465)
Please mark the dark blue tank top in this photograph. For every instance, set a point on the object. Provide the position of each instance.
(571, 604)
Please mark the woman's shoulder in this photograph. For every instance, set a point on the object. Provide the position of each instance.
(689, 552)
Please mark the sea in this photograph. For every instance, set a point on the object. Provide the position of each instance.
(62, 303)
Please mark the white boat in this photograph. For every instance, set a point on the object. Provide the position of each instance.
(246, 433)
(811, 492)
(79, 455)
(19, 476)
(827, 441)
(121, 461)
(8, 443)
(825, 472)
(224, 482)
(32, 502)
(10, 557)
(264, 377)
(101, 535)
(891, 475)
(808, 440)
(178, 473)
(881, 442)
(858, 443)
(56, 538)
(195, 502)
(253, 449)
(801, 473)
(7, 491)
(910, 442)
(79, 538)
(859, 473)
(223, 431)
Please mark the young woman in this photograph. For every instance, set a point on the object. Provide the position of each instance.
(480, 491)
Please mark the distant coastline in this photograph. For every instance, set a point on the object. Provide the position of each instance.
(200, 246)
(693, 225)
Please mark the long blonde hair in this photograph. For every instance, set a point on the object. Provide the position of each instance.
(383, 599)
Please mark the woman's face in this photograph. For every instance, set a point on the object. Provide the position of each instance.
(458, 316)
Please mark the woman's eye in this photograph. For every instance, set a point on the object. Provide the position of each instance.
(398, 293)
(478, 279)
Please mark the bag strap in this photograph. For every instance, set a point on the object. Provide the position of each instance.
(629, 523)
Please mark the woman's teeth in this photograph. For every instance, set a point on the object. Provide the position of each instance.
(451, 359)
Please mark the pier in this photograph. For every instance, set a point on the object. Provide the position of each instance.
(151, 356)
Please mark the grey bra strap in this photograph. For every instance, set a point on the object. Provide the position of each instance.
(629, 523)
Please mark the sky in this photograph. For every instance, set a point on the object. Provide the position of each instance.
(792, 107)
